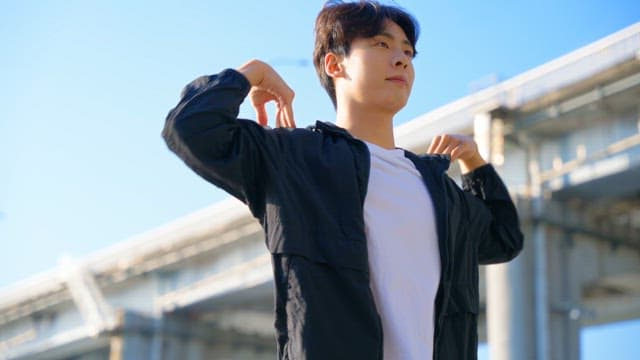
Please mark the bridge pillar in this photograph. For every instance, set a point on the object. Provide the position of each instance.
(130, 345)
(564, 295)
(168, 338)
(195, 349)
(510, 308)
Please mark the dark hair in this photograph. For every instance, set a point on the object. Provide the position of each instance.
(339, 23)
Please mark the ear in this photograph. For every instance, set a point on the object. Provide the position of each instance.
(333, 65)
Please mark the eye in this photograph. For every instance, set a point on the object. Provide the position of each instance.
(383, 44)
(409, 53)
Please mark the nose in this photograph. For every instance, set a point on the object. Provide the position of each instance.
(401, 63)
(401, 59)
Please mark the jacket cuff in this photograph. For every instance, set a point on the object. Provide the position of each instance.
(233, 76)
(479, 179)
(229, 78)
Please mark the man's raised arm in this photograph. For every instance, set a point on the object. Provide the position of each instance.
(235, 154)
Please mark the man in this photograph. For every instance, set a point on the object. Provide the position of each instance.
(375, 250)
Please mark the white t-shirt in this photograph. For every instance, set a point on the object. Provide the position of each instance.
(404, 258)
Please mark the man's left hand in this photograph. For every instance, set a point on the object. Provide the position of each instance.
(459, 147)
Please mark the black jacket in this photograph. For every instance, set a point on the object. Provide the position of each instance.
(307, 188)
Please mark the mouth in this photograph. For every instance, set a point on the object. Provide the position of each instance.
(400, 80)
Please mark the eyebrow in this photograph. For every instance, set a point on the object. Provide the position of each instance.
(390, 36)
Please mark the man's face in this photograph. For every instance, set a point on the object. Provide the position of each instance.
(379, 70)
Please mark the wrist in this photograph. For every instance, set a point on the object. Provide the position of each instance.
(472, 163)
(252, 70)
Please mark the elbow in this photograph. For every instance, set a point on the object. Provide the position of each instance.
(515, 245)
(169, 134)
(166, 132)
(174, 133)
(508, 248)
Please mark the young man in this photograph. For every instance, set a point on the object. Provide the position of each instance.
(375, 249)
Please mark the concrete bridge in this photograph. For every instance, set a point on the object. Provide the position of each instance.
(566, 138)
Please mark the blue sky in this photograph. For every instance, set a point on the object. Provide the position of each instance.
(87, 84)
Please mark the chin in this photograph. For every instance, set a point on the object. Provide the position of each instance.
(395, 105)
(389, 103)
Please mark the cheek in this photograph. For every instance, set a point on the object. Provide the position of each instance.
(412, 78)
(361, 75)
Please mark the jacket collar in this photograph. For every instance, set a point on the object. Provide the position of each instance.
(438, 163)
(441, 162)
(331, 128)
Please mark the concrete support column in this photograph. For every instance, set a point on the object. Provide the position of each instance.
(158, 343)
(195, 349)
(509, 305)
(162, 338)
(129, 346)
(541, 324)
(538, 238)
(564, 295)
(509, 328)
(175, 347)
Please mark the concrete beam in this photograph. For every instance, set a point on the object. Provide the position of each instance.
(598, 311)
(247, 322)
(245, 275)
(61, 345)
(598, 93)
(96, 312)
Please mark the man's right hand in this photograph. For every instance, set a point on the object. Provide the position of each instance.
(266, 86)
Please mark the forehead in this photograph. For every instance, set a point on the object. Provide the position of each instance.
(393, 31)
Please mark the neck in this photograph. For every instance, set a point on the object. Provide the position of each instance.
(371, 126)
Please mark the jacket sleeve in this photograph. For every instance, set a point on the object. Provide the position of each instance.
(235, 154)
(494, 217)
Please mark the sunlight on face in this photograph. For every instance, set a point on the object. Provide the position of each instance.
(379, 71)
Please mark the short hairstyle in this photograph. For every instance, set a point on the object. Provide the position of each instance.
(339, 23)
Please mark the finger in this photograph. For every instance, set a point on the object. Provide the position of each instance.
(286, 105)
(288, 115)
(261, 114)
(457, 153)
(448, 150)
(465, 153)
(445, 141)
(285, 115)
(434, 144)
(279, 118)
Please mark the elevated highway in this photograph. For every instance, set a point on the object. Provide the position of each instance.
(566, 138)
